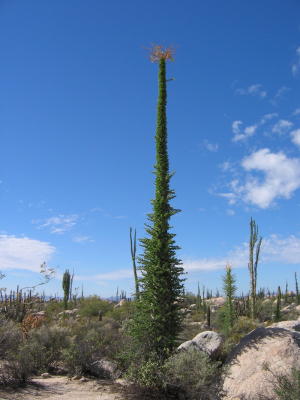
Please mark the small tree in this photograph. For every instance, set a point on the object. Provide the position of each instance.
(254, 251)
(230, 288)
(66, 285)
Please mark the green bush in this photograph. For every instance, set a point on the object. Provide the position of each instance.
(193, 372)
(46, 346)
(10, 337)
(90, 306)
(241, 327)
(91, 341)
(122, 313)
(288, 387)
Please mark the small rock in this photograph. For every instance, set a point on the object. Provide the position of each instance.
(76, 378)
(83, 379)
(208, 341)
(45, 375)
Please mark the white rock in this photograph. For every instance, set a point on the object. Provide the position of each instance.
(247, 376)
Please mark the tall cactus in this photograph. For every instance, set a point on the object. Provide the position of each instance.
(254, 252)
(66, 285)
(133, 257)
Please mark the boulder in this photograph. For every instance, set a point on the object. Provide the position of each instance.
(290, 325)
(208, 341)
(105, 369)
(247, 377)
(216, 301)
(121, 303)
(192, 306)
(68, 313)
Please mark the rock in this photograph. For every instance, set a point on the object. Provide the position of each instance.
(208, 341)
(68, 313)
(76, 378)
(247, 376)
(121, 303)
(193, 306)
(83, 379)
(105, 369)
(45, 375)
(216, 301)
(290, 325)
(40, 313)
(297, 308)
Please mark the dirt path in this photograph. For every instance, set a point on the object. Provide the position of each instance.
(62, 388)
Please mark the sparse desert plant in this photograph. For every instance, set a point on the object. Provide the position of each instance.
(90, 306)
(194, 372)
(241, 327)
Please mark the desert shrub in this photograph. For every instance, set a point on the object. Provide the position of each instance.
(122, 313)
(46, 346)
(10, 337)
(52, 308)
(91, 341)
(15, 372)
(90, 306)
(193, 372)
(288, 387)
(285, 386)
(241, 327)
(265, 311)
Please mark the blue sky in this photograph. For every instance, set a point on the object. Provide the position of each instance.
(77, 123)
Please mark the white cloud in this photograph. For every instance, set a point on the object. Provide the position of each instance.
(296, 65)
(250, 130)
(274, 249)
(82, 239)
(59, 224)
(253, 90)
(296, 137)
(213, 147)
(23, 253)
(242, 135)
(281, 178)
(268, 117)
(282, 126)
(297, 112)
(107, 276)
(230, 212)
(279, 95)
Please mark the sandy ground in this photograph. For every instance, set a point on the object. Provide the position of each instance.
(62, 388)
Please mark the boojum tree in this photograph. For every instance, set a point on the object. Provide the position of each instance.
(157, 320)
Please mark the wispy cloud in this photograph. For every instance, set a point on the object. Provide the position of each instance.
(275, 249)
(213, 147)
(281, 178)
(243, 134)
(58, 224)
(107, 276)
(296, 64)
(282, 126)
(295, 135)
(82, 239)
(23, 253)
(253, 90)
(279, 95)
(297, 111)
